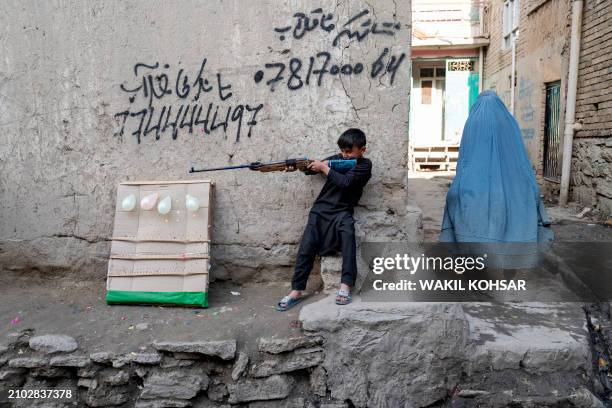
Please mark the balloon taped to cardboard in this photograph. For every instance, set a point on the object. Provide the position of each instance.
(160, 251)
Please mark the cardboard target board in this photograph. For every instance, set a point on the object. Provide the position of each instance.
(160, 251)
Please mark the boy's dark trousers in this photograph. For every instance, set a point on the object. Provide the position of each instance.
(324, 237)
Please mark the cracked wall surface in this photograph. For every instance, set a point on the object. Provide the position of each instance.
(83, 85)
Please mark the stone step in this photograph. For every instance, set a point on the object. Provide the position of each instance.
(387, 354)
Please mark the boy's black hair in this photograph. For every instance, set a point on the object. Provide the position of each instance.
(352, 137)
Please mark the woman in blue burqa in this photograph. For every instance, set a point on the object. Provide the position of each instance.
(494, 199)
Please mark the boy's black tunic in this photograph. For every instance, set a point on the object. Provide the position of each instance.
(330, 226)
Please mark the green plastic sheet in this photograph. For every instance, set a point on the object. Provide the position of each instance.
(172, 298)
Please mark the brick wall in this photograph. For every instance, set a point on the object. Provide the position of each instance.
(541, 58)
(591, 178)
(498, 58)
(594, 99)
(542, 52)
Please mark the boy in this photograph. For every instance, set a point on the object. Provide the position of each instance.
(330, 224)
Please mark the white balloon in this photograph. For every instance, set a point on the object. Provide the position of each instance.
(129, 203)
(149, 201)
(192, 203)
(164, 206)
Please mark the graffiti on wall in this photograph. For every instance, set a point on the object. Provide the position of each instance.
(527, 112)
(358, 26)
(298, 72)
(163, 98)
(204, 101)
(295, 74)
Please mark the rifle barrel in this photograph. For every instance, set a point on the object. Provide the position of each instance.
(242, 166)
(253, 166)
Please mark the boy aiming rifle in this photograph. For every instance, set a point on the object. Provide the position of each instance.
(330, 227)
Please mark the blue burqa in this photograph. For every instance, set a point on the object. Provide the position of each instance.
(494, 197)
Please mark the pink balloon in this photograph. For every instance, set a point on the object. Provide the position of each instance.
(148, 202)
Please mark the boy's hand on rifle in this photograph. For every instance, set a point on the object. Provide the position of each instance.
(319, 166)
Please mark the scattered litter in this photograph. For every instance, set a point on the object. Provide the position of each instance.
(123, 317)
(199, 315)
(222, 310)
(142, 348)
(142, 326)
(591, 225)
(16, 320)
(131, 327)
(235, 293)
(582, 213)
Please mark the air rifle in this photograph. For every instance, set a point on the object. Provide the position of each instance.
(340, 165)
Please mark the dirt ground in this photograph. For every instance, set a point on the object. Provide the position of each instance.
(428, 190)
(77, 308)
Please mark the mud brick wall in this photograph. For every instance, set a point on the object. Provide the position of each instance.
(93, 93)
